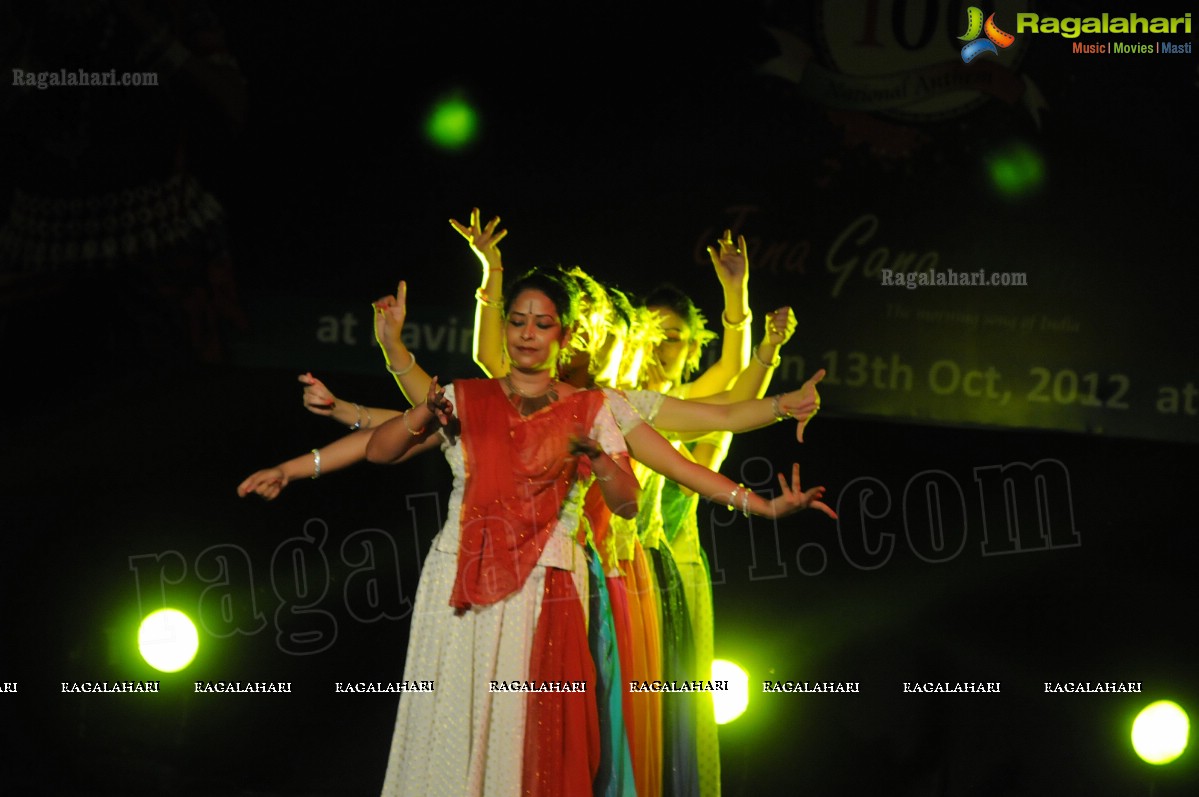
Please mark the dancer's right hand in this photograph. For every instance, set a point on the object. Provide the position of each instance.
(484, 241)
(317, 398)
(267, 483)
(390, 312)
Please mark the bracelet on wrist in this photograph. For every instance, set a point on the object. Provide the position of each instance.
(316, 463)
(773, 363)
(740, 325)
(482, 298)
(369, 421)
(738, 493)
(403, 371)
(407, 426)
(357, 424)
(776, 408)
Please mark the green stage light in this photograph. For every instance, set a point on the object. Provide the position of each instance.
(168, 640)
(452, 124)
(1160, 731)
(1016, 170)
(731, 704)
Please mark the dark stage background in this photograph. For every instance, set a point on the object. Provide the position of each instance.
(1053, 424)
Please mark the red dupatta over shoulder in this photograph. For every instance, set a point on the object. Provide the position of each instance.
(518, 474)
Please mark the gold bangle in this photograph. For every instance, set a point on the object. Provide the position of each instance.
(409, 428)
(483, 299)
(773, 364)
(403, 371)
(740, 325)
(316, 463)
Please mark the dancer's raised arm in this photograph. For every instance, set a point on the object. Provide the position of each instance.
(731, 262)
(489, 309)
(390, 314)
(752, 383)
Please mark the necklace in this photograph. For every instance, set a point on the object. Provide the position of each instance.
(527, 404)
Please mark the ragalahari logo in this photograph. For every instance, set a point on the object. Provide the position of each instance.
(975, 46)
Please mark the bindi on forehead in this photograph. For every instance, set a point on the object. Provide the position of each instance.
(531, 306)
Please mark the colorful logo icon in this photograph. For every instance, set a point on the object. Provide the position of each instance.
(975, 46)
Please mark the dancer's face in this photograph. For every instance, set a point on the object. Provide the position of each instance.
(672, 352)
(535, 333)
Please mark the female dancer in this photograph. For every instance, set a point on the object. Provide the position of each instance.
(499, 595)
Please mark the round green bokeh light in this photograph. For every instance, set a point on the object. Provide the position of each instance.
(731, 704)
(452, 124)
(1160, 731)
(1016, 170)
(167, 640)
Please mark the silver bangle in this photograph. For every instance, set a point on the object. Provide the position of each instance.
(357, 424)
(777, 358)
(775, 408)
(403, 371)
(369, 420)
(745, 491)
(316, 463)
(733, 497)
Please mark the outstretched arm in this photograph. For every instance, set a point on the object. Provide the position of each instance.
(489, 309)
(319, 400)
(732, 269)
(339, 454)
(649, 447)
(678, 415)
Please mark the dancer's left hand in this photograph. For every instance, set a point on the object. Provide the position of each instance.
(803, 404)
(441, 407)
(731, 260)
(794, 498)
